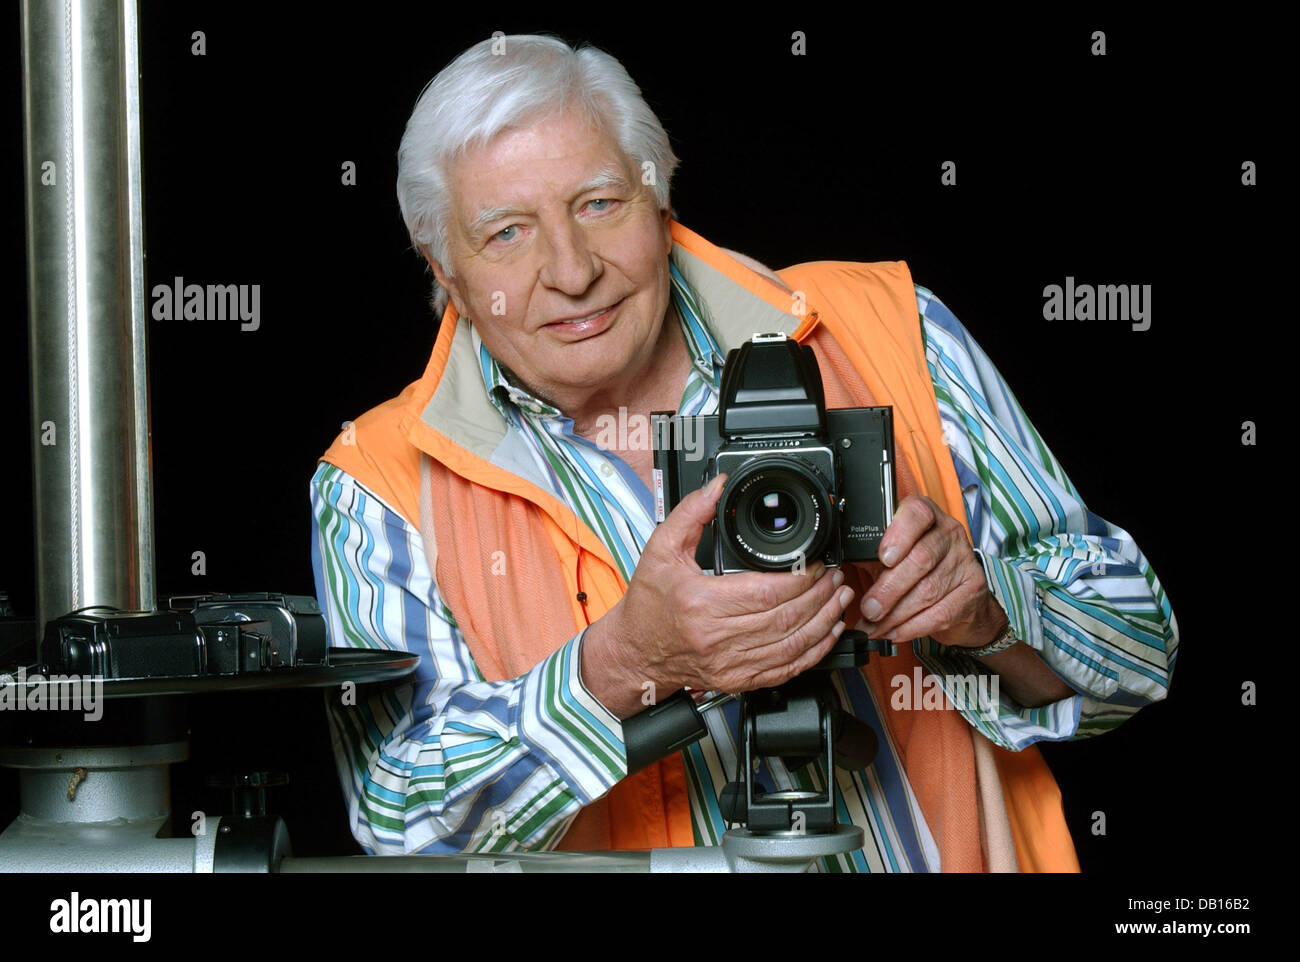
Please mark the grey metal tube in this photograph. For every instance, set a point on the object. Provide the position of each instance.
(85, 257)
(31, 846)
(636, 862)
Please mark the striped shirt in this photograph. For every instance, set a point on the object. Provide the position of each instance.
(451, 763)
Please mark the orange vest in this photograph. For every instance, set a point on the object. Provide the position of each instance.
(986, 807)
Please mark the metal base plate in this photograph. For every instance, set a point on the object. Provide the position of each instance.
(791, 846)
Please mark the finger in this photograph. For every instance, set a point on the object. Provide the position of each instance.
(807, 630)
(765, 591)
(926, 556)
(681, 530)
(766, 627)
(807, 660)
(761, 614)
(915, 515)
(951, 614)
(817, 652)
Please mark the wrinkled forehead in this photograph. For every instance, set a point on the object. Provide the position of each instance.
(553, 159)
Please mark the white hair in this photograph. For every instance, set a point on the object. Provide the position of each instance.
(508, 82)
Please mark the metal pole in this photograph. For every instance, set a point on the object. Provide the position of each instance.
(634, 862)
(85, 254)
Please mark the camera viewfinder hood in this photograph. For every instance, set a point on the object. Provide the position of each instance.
(778, 390)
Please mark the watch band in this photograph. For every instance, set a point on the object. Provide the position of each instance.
(1005, 639)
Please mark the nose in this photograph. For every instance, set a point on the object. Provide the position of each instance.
(569, 264)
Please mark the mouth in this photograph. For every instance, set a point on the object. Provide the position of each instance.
(588, 326)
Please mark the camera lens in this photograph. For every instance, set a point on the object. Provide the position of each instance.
(775, 513)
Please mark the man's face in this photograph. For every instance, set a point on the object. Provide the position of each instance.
(559, 255)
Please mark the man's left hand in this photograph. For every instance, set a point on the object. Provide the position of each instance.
(929, 582)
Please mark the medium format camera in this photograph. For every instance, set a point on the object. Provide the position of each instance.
(804, 484)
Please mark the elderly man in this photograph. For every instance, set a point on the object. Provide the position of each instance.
(488, 520)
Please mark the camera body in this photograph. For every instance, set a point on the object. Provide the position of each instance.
(804, 484)
(198, 635)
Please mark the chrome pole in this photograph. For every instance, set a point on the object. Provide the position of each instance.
(85, 261)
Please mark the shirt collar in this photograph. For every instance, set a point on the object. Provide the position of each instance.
(705, 355)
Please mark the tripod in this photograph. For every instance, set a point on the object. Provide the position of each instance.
(798, 721)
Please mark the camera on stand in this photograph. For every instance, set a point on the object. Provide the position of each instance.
(804, 484)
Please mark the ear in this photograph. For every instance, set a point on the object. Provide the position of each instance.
(448, 283)
(667, 215)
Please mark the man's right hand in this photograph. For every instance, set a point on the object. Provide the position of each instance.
(677, 626)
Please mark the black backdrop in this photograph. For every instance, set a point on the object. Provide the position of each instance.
(1124, 168)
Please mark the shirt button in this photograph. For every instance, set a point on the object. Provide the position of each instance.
(607, 469)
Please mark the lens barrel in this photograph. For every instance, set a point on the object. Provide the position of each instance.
(776, 513)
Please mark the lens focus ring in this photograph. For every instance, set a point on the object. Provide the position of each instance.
(776, 513)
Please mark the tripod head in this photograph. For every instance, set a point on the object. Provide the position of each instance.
(800, 721)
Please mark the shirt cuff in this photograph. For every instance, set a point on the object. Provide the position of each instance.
(975, 691)
(563, 722)
(1014, 590)
(970, 687)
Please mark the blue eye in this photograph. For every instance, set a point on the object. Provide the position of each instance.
(501, 234)
(602, 200)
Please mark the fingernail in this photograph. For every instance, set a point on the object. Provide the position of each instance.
(837, 579)
(846, 595)
(838, 629)
(889, 556)
(872, 610)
